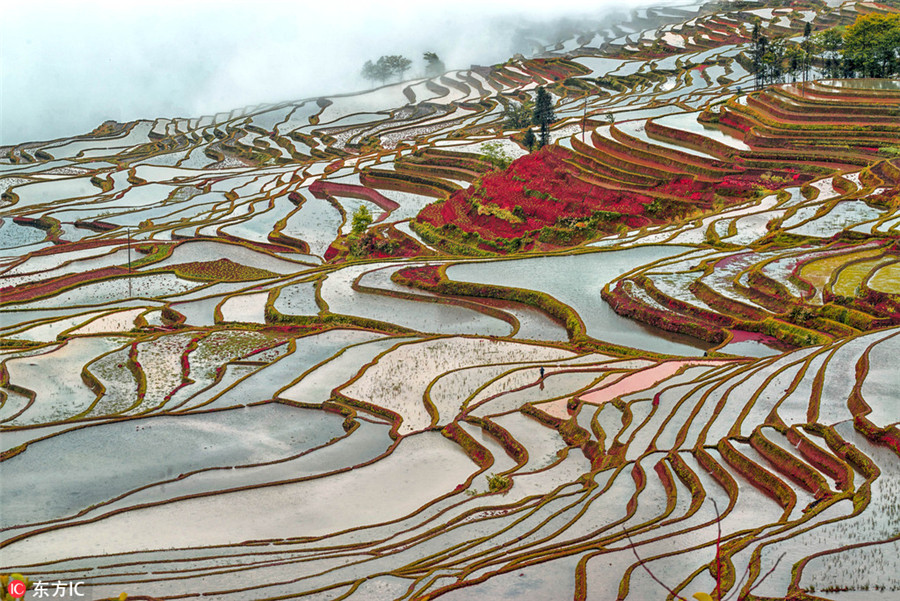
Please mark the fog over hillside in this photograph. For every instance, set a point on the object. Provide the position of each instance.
(66, 67)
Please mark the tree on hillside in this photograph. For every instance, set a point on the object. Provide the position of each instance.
(386, 67)
(774, 62)
(375, 71)
(760, 46)
(362, 219)
(493, 153)
(808, 48)
(793, 57)
(528, 139)
(397, 64)
(872, 45)
(517, 115)
(830, 42)
(434, 66)
(543, 114)
(379, 71)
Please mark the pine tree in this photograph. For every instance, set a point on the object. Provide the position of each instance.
(807, 46)
(529, 139)
(760, 49)
(543, 114)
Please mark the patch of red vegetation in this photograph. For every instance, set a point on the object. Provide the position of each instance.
(334, 166)
(552, 69)
(536, 191)
(331, 252)
(19, 294)
(742, 184)
(726, 119)
(389, 242)
(427, 274)
(745, 336)
(552, 188)
(888, 197)
(875, 302)
(687, 188)
(381, 242)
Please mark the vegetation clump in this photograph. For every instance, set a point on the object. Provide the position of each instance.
(493, 153)
(866, 48)
(394, 65)
(221, 270)
(498, 482)
(543, 115)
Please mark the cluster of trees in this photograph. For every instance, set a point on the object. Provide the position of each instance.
(386, 67)
(396, 65)
(775, 60)
(525, 114)
(868, 48)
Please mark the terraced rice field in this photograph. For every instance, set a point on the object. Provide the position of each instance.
(659, 350)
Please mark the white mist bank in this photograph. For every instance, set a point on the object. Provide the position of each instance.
(67, 67)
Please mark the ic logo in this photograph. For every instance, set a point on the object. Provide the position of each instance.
(16, 589)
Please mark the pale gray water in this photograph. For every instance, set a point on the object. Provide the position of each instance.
(577, 281)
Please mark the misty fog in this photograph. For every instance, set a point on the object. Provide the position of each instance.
(67, 67)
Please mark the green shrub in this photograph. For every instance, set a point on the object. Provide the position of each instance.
(497, 482)
(493, 153)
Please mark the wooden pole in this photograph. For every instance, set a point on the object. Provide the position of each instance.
(584, 117)
(128, 233)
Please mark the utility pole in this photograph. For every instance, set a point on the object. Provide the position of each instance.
(128, 233)
(584, 117)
